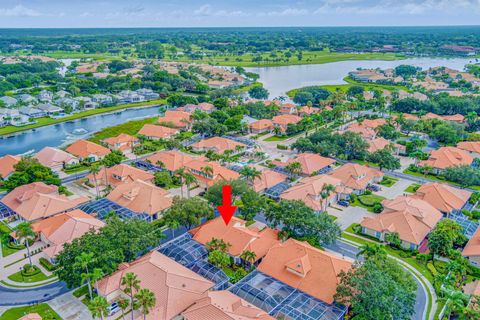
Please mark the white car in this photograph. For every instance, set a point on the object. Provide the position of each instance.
(113, 308)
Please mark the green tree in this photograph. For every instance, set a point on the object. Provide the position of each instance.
(372, 250)
(463, 175)
(163, 179)
(394, 239)
(83, 261)
(219, 259)
(29, 170)
(327, 189)
(214, 193)
(98, 307)
(444, 236)
(384, 159)
(294, 168)
(248, 256)
(250, 173)
(146, 301)
(94, 170)
(258, 92)
(113, 158)
(25, 233)
(387, 131)
(123, 304)
(188, 212)
(131, 285)
(218, 245)
(190, 179)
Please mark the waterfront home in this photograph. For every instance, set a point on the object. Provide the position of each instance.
(203, 106)
(382, 143)
(55, 159)
(87, 151)
(9, 101)
(357, 177)
(157, 132)
(366, 132)
(310, 163)
(175, 287)
(170, 160)
(25, 98)
(62, 94)
(472, 249)
(63, 228)
(288, 108)
(208, 173)
(241, 237)
(260, 126)
(37, 200)
(128, 96)
(307, 111)
(447, 199)
(7, 165)
(32, 112)
(311, 192)
(282, 121)
(141, 197)
(118, 174)
(123, 142)
(177, 119)
(446, 157)
(458, 118)
(219, 145)
(45, 96)
(48, 108)
(224, 305)
(411, 218)
(304, 267)
(67, 102)
(472, 147)
(102, 99)
(148, 94)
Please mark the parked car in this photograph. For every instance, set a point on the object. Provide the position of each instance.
(344, 203)
(113, 308)
(373, 187)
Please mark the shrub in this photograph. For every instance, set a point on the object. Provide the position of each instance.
(377, 207)
(432, 269)
(357, 228)
(46, 264)
(282, 147)
(475, 214)
(368, 192)
(28, 270)
(405, 254)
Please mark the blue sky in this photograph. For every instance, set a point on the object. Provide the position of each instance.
(205, 13)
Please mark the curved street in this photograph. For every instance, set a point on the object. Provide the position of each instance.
(12, 296)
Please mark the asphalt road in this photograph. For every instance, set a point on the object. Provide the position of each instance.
(11, 297)
(350, 251)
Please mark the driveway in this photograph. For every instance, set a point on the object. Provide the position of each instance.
(349, 215)
(70, 308)
(396, 190)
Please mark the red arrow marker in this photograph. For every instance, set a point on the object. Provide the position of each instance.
(226, 209)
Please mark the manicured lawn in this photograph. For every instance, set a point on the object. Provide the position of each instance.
(388, 181)
(47, 121)
(131, 128)
(6, 250)
(370, 164)
(17, 277)
(436, 178)
(368, 201)
(42, 309)
(74, 169)
(413, 187)
(80, 291)
(308, 57)
(276, 138)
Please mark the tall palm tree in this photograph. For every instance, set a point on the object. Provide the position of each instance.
(173, 224)
(294, 168)
(455, 301)
(132, 284)
(146, 300)
(189, 180)
(208, 171)
(98, 307)
(181, 174)
(94, 170)
(250, 173)
(371, 250)
(327, 189)
(123, 304)
(97, 274)
(24, 232)
(83, 261)
(248, 256)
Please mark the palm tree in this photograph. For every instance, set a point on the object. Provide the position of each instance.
(146, 300)
(97, 274)
(189, 180)
(455, 301)
(294, 168)
(94, 170)
(82, 261)
(327, 189)
(371, 250)
(250, 173)
(98, 307)
(248, 256)
(131, 283)
(24, 232)
(106, 173)
(208, 171)
(173, 224)
(181, 174)
(123, 304)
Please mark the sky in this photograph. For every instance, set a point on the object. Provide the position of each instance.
(239, 13)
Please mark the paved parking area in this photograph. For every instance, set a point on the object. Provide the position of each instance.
(349, 215)
(396, 190)
(70, 308)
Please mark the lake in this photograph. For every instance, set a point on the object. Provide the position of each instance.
(61, 134)
(279, 80)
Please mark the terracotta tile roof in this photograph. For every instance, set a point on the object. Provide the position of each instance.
(219, 144)
(446, 157)
(267, 179)
(455, 118)
(442, 196)
(364, 131)
(7, 164)
(51, 157)
(378, 144)
(311, 162)
(65, 227)
(141, 197)
(179, 119)
(175, 287)
(431, 115)
(37, 200)
(472, 288)
(121, 173)
(473, 246)
(172, 160)
(471, 146)
(224, 305)
(355, 176)
(286, 119)
(263, 124)
(31, 316)
(238, 235)
(219, 172)
(122, 138)
(308, 190)
(84, 148)
(159, 132)
(410, 217)
(304, 267)
(374, 123)
(308, 110)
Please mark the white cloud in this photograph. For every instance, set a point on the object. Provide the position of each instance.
(19, 11)
(207, 11)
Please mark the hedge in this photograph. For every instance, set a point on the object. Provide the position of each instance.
(25, 273)
(46, 264)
